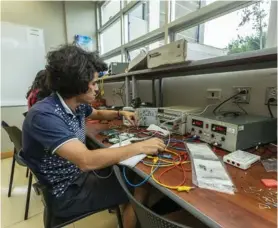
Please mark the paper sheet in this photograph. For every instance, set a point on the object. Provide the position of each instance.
(132, 161)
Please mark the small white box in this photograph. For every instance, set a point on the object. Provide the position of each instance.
(241, 159)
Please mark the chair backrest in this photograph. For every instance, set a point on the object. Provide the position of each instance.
(15, 135)
(146, 217)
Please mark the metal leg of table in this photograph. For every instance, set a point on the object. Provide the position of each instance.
(153, 93)
(127, 92)
(160, 95)
(134, 87)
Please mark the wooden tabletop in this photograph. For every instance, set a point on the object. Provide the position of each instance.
(214, 208)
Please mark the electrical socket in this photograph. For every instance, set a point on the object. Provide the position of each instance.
(271, 92)
(242, 98)
(214, 94)
(117, 91)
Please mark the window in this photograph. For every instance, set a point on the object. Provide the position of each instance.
(110, 38)
(148, 47)
(246, 31)
(182, 8)
(116, 58)
(143, 18)
(109, 9)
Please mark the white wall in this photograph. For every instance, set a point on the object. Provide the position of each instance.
(50, 16)
(80, 20)
(191, 90)
(45, 15)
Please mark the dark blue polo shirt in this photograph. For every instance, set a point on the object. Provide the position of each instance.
(48, 125)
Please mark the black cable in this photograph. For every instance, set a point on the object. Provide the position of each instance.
(230, 98)
(122, 99)
(241, 108)
(268, 106)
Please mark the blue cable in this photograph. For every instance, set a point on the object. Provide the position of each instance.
(142, 182)
(178, 148)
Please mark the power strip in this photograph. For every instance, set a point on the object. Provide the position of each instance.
(241, 159)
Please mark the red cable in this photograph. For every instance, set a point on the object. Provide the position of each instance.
(170, 168)
(175, 166)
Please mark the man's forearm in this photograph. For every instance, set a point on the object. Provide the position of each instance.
(105, 115)
(101, 158)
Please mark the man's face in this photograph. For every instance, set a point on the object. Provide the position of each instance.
(92, 92)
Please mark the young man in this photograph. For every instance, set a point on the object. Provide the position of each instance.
(54, 139)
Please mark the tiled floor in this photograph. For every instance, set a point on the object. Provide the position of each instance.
(12, 209)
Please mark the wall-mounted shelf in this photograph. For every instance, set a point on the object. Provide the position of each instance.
(261, 59)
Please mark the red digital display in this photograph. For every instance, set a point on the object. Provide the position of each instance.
(219, 129)
(197, 123)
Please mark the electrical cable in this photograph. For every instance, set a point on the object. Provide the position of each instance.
(170, 168)
(101, 87)
(200, 113)
(178, 187)
(142, 182)
(268, 106)
(273, 144)
(230, 98)
(241, 108)
(102, 177)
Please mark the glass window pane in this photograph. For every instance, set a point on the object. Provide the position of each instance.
(182, 8)
(143, 18)
(148, 47)
(109, 9)
(246, 32)
(110, 38)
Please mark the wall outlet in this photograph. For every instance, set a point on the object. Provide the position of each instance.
(271, 92)
(117, 91)
(214, 94)
(242, 98)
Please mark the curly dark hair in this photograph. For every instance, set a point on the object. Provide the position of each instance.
(40, 83)
(70, 69)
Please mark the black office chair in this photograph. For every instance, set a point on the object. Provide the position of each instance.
(50, 220)
(27, 170)
(15, 135)
(145, 216)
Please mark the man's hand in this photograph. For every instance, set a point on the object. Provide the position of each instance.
(130, 116)
(150, 146)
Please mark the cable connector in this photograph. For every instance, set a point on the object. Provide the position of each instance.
(272, 99)
(155, 160)
(243, 91)
(184, 188)
(150, 157)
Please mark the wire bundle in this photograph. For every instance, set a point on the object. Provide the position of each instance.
(172, 161)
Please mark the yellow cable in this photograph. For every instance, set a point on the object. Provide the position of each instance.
(178, 188)
(102, 84)
(165, 165)
(167, 161)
